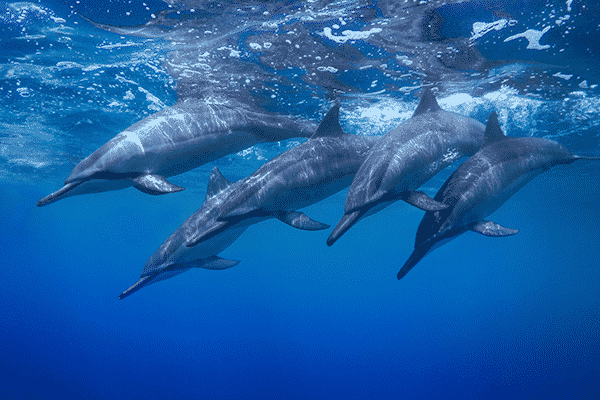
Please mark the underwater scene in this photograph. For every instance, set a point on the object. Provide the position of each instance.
(352, 199)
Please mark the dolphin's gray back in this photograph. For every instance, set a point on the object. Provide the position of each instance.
(186, 136)
(413, 153)
(303, 175)
(485, 181)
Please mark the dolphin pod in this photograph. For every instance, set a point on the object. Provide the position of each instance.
(482, 184)
(173, 141)
(297, 178)
(407, 157)
(379, 171)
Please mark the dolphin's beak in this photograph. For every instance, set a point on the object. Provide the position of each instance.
(347, 221)
(136, 286)
(59, 194)
(414, 258)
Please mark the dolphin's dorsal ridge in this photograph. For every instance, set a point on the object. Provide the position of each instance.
(330, 125)
(216, 183)
(489, 228)
(493, 132)
(428, 103)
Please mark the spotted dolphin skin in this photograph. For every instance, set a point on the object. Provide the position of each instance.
(482, 184)
(406, 158)
(173, 141)
(173, 257)
(297, 178)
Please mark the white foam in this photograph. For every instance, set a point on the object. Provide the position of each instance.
(455, 100)
(566, 77)
(481, 28)
(348, 35)
(328, 69)
(533, 36)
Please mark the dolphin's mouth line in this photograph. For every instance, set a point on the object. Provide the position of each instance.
(51, 198)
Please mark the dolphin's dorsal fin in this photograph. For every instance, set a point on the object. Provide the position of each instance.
(330, 125)
(428, 103)
(216, 183)
(493, 132)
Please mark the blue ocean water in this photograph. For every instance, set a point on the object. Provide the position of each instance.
(514, 317)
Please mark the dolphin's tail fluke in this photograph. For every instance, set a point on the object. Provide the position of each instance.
(59, 194)
(136, 286)
(347, 222)
(414, 258)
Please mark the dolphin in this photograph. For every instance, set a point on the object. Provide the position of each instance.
(482, 184)
(173, 141)
(297, 178)
(407, 157)
(173, 257)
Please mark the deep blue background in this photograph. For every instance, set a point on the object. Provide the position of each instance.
(480, 318)
(515, 317)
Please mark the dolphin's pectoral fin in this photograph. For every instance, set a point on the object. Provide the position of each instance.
(423, 201)
(155, 185)
(215, 262)
(489, 228)
(301, 221)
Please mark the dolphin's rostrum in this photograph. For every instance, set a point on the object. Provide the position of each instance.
(173, 141)
(482, 184)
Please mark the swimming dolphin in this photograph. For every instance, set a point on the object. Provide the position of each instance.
(482, 184)
(297, 178)
(173, 257)
(173, 141)
(407, 157)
